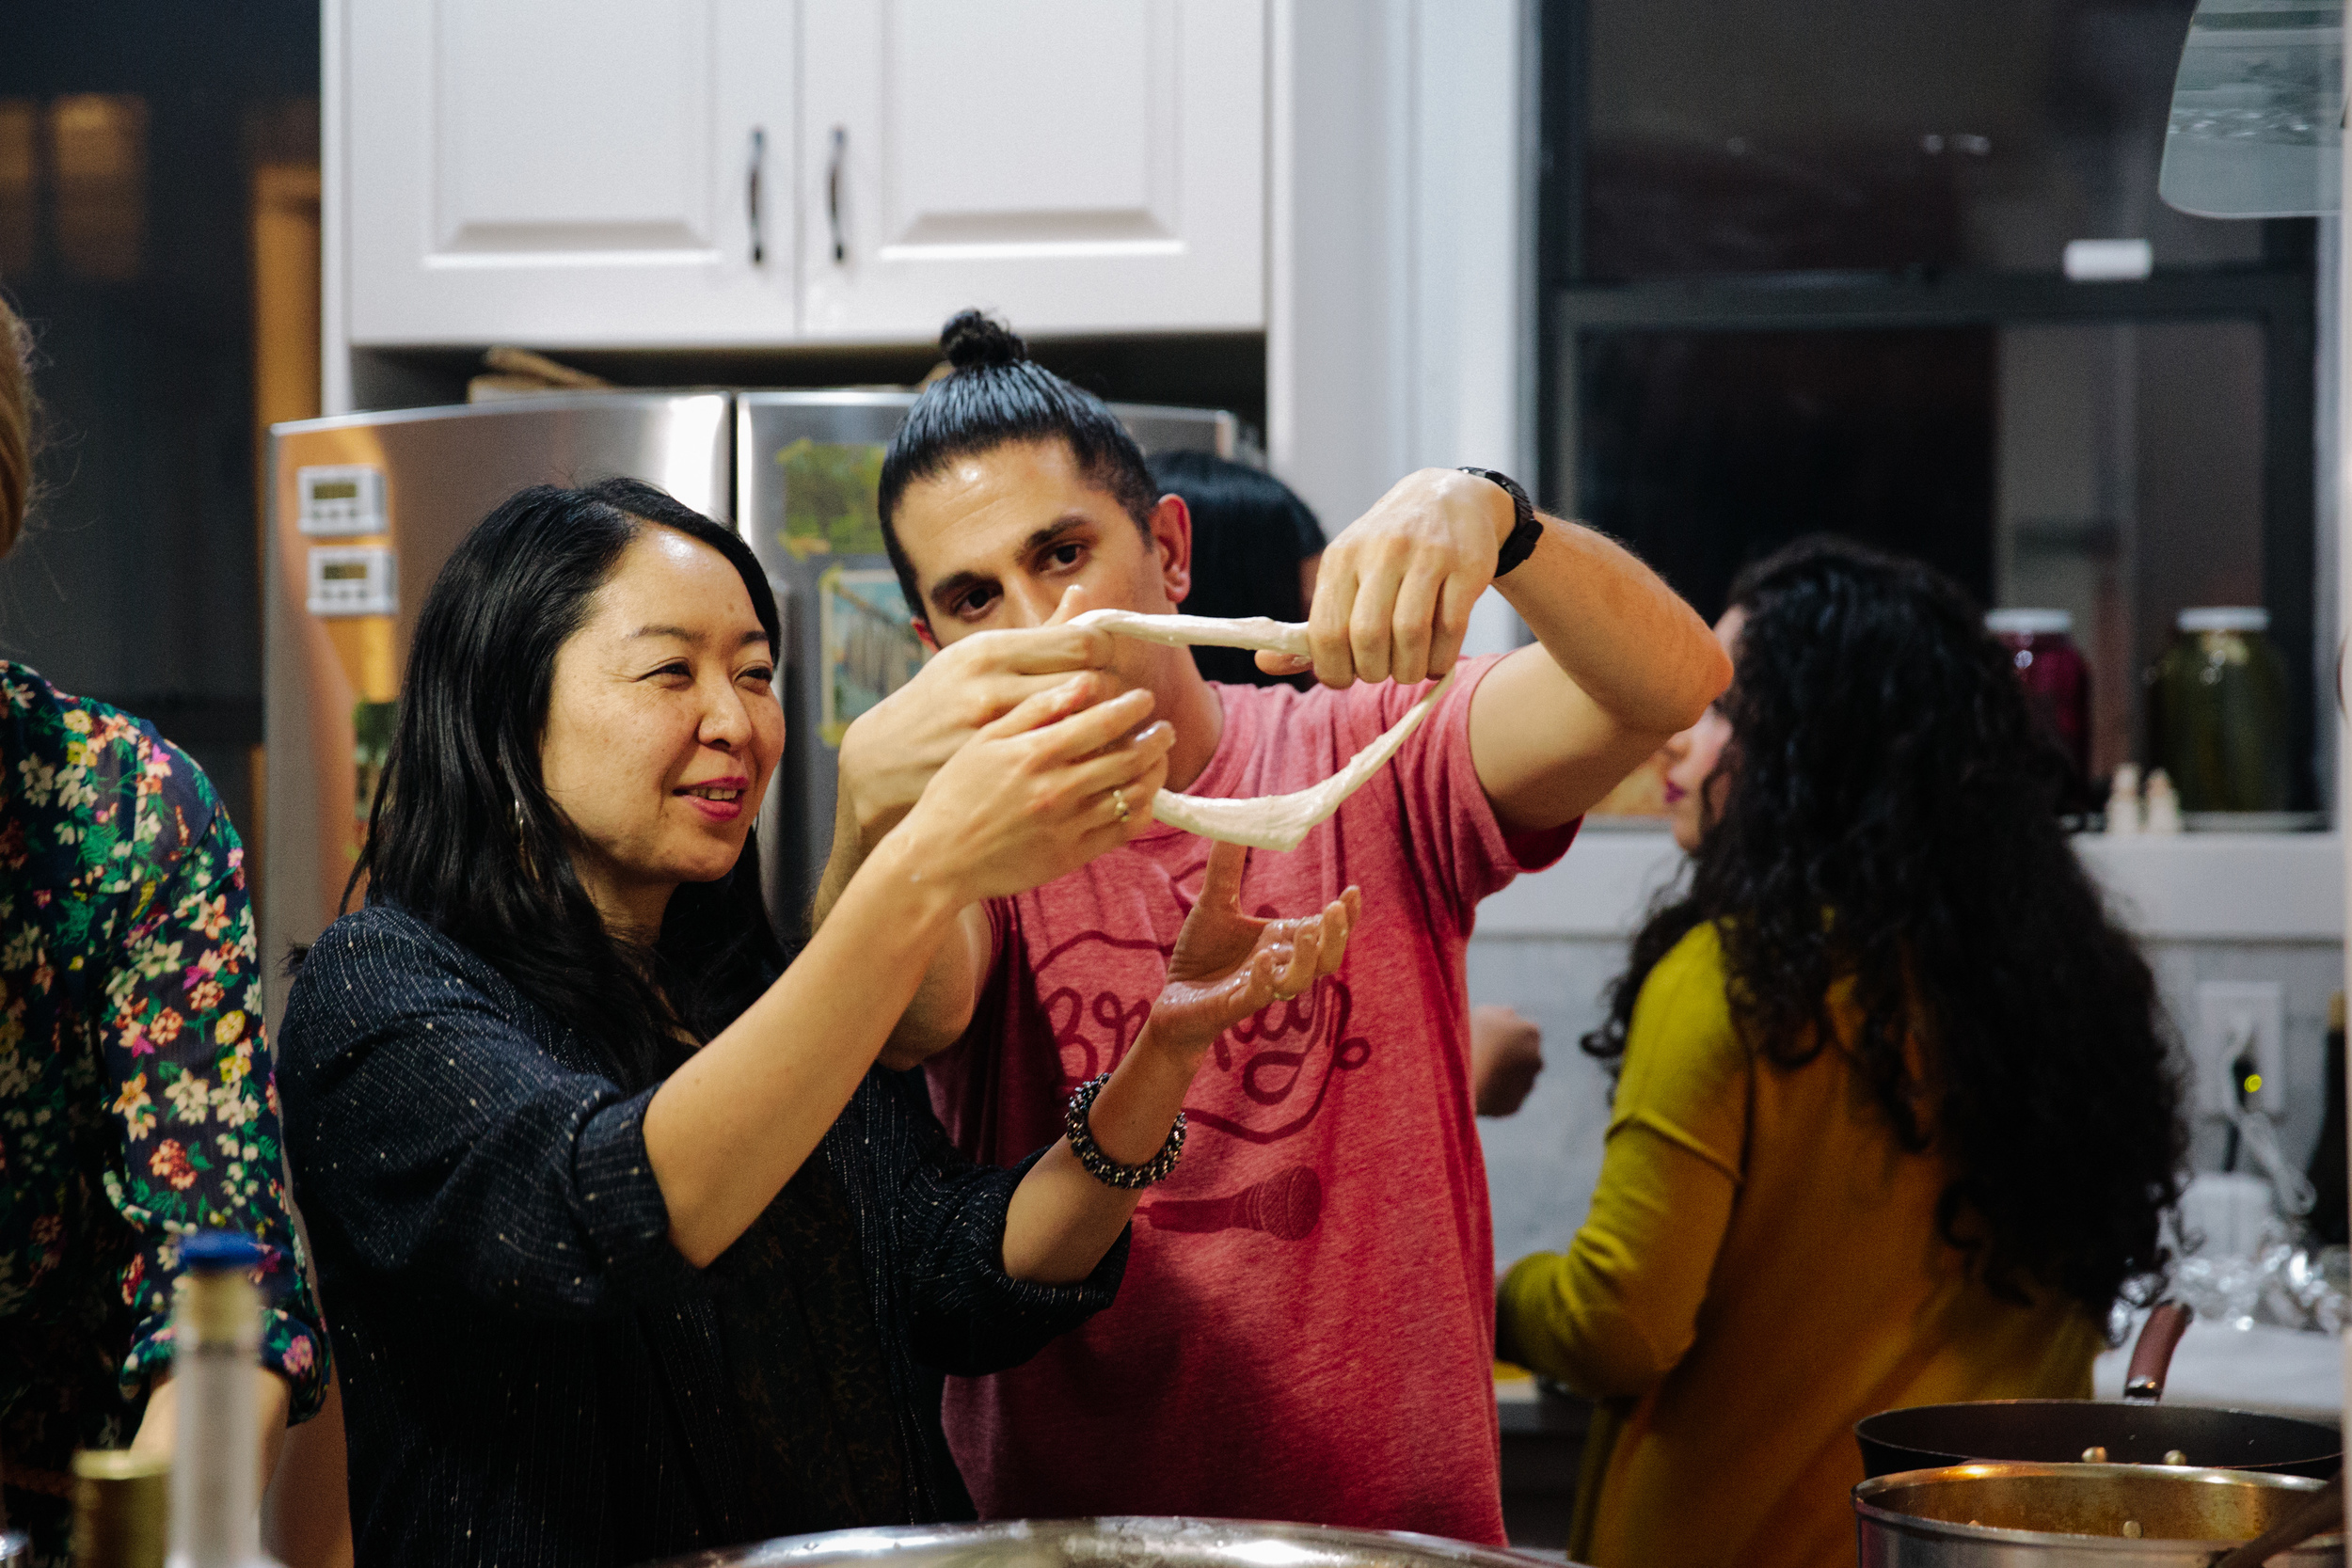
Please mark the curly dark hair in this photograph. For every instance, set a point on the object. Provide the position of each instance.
(1888, 816)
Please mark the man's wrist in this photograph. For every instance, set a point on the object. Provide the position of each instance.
(1516, 536)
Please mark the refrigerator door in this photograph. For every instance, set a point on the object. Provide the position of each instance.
(363, 512)
(808, 471)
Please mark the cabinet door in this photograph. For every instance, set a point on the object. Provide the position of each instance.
(569, 172)
(1080, 166)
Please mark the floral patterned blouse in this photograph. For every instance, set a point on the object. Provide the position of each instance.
(137, 1095)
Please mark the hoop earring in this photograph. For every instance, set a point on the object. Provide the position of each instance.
(522, 843)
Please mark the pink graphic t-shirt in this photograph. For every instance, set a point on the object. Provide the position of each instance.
(1306, 1331)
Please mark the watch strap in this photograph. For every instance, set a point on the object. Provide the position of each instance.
(1525, 530)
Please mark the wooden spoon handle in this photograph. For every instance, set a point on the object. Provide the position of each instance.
(2151, 1357)
(2322, 1511)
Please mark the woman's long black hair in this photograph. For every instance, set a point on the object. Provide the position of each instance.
(463, 834)
(1889, 816)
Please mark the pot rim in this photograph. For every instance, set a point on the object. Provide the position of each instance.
(1312, 1546)
(1945, 1529)
(2137, 1406)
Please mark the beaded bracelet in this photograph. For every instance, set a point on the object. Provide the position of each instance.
(1101, 1166)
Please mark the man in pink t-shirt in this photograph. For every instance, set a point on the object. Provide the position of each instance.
(1306, 1327)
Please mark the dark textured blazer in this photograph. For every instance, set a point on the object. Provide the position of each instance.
(530, 1373)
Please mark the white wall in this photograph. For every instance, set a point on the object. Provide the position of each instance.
(1398, 303)
(2206, 907)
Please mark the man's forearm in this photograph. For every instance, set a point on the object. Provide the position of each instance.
(847, 854)
(946, 999)
(1628, 642)
(1624, 664)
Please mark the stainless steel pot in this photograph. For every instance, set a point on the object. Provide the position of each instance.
(2064, 1515)
(1137, 1542)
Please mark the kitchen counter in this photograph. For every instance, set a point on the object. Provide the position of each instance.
(1543, 1449)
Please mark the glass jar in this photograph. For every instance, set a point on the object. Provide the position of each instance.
(2217, 717)
(2040, 644)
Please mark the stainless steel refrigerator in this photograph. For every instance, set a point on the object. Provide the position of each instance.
(364, 509)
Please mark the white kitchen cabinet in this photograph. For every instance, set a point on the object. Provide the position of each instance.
(1078, 165)
(582, 173)
(568, 172)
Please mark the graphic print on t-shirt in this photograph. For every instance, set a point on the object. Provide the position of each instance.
(1286, 1206)
(1286, 1056)
(1284, 1060)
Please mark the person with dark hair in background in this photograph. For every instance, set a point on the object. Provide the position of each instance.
(1256, 547)
(137, 1092)
(631, 1249)
(1894, 1120)
(1347, 1168)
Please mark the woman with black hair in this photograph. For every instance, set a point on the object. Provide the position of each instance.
(631, 1250)
(1894, 1123)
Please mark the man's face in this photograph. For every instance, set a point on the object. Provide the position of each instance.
(997, 537)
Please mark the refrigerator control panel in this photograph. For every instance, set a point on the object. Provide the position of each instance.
(354, 580)
(341, 500)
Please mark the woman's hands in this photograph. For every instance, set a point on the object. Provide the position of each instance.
(1040, 792)
(1229, 965)
(1028, 798)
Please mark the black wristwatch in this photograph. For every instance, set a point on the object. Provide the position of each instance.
(1524, 532)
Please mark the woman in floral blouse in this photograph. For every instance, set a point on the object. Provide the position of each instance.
(137, 1101)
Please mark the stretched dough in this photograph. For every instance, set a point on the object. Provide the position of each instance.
(1261, 821)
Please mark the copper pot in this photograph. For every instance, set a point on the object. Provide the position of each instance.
(2062, 1516)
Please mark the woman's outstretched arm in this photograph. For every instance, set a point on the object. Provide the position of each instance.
(1026, 800)
(1227, 966)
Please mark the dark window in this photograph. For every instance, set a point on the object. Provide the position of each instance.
(1802, 270)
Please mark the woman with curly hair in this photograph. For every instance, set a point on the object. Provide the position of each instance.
(1894, 1122)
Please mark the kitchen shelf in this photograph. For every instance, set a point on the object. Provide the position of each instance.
(2189, 887)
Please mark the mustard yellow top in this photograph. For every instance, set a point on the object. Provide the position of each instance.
(1760, 1269)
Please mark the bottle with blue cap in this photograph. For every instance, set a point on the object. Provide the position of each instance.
(215, 1344)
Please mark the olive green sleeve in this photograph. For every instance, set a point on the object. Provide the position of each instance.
(1616, 1311)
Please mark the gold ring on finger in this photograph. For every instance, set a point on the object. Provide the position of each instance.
(1119, 803)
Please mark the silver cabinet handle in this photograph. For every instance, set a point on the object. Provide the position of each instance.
(833, 192)
(751, 194)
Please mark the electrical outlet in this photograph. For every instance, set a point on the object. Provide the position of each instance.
(2234, 1019)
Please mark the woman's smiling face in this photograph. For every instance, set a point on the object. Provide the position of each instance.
(663, 728)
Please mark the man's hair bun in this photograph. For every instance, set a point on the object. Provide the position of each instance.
(971, 338)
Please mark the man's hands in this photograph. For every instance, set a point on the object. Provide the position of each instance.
(1393, 593)
(1229, 965)
(894, 747)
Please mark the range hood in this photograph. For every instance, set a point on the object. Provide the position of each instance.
(2258, 111)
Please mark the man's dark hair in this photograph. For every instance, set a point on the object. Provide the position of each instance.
(994, 394)
(464, 835)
